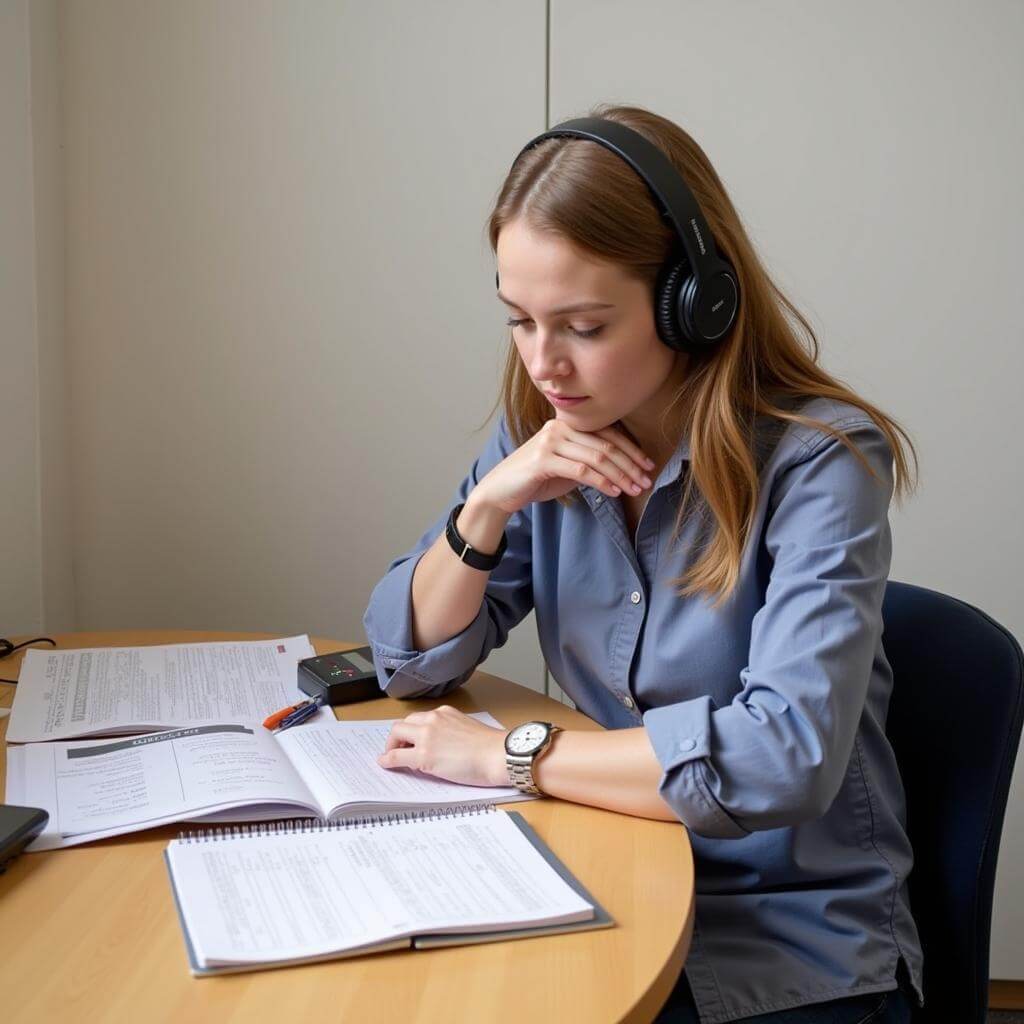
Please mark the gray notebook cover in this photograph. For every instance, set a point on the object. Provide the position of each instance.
(601, 919)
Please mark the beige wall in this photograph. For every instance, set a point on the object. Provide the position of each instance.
(55, 498)
(280, 319)
(35, 509)
(20, 572)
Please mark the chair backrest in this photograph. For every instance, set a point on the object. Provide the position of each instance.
(955, 723)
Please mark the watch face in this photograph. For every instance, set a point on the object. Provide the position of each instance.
(525, 739)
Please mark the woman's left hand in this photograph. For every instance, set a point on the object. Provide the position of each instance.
(449, 744)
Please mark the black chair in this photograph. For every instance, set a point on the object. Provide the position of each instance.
(955, 723)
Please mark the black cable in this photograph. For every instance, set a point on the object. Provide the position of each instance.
(7, 649)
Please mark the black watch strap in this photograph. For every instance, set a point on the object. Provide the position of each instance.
(466, 552)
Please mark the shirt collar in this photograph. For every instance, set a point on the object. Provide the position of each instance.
(671, 470)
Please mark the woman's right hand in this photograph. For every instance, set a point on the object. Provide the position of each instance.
(558, 458)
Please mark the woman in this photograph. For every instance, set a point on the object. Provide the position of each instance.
(703, 534)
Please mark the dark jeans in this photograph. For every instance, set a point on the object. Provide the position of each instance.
(891, 1007)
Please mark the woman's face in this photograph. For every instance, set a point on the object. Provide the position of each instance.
(609, 355)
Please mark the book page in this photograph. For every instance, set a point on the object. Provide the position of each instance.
(94, 789)
(284, 897)
(118, 690)
(338, 761)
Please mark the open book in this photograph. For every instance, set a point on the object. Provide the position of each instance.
(324, 891)
(111, 691)
(222, 773)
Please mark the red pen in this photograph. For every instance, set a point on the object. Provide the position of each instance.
(278, 716)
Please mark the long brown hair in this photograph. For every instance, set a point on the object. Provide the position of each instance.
(766, 367)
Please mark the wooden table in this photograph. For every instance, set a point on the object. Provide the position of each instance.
(90, 933)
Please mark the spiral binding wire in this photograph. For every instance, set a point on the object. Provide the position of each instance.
(301, 826)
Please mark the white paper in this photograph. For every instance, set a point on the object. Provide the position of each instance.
(109, 691)
(273, 898)
(338, 761)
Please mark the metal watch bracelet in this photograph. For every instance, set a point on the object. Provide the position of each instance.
(521, 776)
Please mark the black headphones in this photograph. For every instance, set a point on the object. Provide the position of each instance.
(696, 295)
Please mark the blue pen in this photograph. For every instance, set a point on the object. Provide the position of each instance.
(302, 713)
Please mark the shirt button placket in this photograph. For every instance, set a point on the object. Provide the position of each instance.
(627, 702)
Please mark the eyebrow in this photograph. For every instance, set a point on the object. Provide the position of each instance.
(579, 307)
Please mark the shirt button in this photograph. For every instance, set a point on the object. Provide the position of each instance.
(599, 499)
(635, 597)
(629, 702)
(685, 746)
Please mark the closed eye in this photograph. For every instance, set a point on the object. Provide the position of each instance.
(591, 333)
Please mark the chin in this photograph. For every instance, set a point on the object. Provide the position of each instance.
(590, 421)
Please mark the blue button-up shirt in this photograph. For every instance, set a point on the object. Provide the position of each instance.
(767, 714)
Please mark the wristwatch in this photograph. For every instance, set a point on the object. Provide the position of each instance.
(523, 745)
(466, 552)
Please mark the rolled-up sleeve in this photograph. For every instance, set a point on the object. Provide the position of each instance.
(777, 754)
(403, 671)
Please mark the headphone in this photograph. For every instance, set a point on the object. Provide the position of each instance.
(696, 295)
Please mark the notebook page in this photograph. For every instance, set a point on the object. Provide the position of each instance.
(338, 761)
(289, 897)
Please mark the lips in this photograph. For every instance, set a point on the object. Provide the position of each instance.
(564, 401)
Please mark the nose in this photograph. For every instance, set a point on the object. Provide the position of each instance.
(546, 361)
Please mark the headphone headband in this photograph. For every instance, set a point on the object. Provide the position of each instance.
(707, 301)
(674, 199)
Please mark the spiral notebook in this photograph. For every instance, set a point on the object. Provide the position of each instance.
(273, 895)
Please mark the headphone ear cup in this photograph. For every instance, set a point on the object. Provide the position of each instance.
(673, 279)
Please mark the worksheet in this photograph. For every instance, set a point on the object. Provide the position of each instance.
(110, 691)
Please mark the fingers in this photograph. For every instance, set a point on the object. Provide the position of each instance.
(604, 457)
(448, 744)
(403, 734)
(409, 731)
(612, 454)
(400, 757)
(628, 446)
(573, 470)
